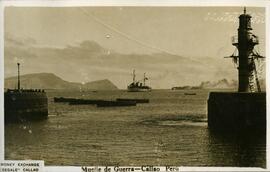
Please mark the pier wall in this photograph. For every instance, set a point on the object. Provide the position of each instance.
(25, 106)
(236, 110)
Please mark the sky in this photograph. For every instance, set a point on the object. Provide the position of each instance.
(175, 46)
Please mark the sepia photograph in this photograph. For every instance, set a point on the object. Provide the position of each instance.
(144, 86)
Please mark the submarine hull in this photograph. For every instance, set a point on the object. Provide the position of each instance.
(237, 110)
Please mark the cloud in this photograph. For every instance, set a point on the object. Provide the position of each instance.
(89, 61)
(11, 41)
(257, 17)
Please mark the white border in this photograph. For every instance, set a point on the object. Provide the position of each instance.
(69, 3)
(2, 141)
(267, 48)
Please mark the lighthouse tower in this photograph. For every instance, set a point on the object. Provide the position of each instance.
(246, 108)
(245, 42)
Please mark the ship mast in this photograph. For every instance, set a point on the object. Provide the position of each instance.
(144, 79)
(134, 75)
(19, 87)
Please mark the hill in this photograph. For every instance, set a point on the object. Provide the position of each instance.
(100, 85)
(51, 81)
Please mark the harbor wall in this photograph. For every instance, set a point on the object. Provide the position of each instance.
(236, 110)
(25, 105)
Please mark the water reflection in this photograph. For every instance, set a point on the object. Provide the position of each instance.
(171, 130)
(241, 149)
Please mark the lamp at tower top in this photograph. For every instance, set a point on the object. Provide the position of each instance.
(245, 20)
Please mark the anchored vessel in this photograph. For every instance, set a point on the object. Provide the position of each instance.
(100, 103)
(132, 99)
(245, 109)
(137, 86)
(25, 104)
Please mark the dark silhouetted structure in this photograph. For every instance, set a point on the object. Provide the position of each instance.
(247, 107)
(25, 104)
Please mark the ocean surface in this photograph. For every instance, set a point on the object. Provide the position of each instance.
(170, 130)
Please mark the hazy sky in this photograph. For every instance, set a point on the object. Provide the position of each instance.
(173, 45)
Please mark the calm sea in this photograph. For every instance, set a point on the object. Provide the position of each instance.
(170, 130)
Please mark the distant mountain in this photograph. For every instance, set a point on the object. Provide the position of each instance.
(51, 81)
(100, 85)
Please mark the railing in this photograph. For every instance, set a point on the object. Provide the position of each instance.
(252, 39)
(234, 40)
(25, 90)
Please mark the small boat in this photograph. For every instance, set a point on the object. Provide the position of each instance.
(191, 94)
(63, 99)
(106, 103)
(84, 102)
(99, 103)
(74, 101)
(136, 100)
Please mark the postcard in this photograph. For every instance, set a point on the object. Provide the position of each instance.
(126, 86)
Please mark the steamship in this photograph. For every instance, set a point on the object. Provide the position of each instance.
(137, 86)
(21, 105)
